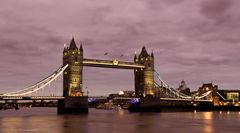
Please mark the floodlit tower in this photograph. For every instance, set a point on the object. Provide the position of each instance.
(144, 77)
(72, 76)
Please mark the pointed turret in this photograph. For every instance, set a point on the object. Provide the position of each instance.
(135, 57)
(144, 52)
(73, 45)
(81, 48)
(65, 48)
(152, 55)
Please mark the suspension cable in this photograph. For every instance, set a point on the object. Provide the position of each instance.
(38, 85)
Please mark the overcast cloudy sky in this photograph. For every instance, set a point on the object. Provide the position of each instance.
(194, 40)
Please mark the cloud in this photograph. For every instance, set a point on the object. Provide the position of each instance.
(192, 40)
(216, 9)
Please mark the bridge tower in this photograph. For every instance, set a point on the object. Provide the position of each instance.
(144, 77)
(72, 77)
(75, 101)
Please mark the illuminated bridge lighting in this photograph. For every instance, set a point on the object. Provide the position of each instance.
(134, 100)
(90, 100)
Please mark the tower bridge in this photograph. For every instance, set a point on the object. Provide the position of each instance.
(73, 98)
(143, 67)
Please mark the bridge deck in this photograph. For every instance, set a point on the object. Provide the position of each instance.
(39, 97)
(111, 64)
(168, 99)
(31, 97)
(61, 97)
(187, 100)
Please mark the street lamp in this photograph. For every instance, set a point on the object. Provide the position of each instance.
(87, 91)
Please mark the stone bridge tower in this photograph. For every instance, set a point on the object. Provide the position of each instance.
(144, 78)
(74, 101)
(72, 79)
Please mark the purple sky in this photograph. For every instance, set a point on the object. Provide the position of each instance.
(194, 40)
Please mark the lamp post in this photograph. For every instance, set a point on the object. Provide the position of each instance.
(87, 91)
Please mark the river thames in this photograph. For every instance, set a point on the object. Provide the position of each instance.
(46, 120)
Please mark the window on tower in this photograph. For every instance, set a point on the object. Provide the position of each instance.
(149, 64)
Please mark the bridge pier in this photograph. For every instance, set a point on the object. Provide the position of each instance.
(73, 105)
(146, 104)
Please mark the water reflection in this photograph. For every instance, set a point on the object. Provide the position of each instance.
(29, 124)
(208, 122)
(74, 123)
(44, 120)
(146, 122)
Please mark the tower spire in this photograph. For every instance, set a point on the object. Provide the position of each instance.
(144, 52)
(81, 48)
(64, 47)
(152, 54)
(135, 55)
(72, 44)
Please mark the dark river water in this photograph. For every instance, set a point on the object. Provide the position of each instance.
(46, 120)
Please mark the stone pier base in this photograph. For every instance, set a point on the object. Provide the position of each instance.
(146, 104)
(73, 105)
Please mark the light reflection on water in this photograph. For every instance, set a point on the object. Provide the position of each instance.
(42, 120)
(208, 124)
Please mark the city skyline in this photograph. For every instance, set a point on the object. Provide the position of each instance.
(195, 41)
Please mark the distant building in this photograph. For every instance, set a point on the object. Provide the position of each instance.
(123, 94)
(210, 92)
(230, 95)
(219, 97)
(183, 88)
(207, 87)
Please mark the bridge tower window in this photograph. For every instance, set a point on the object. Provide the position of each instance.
(149, 64)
